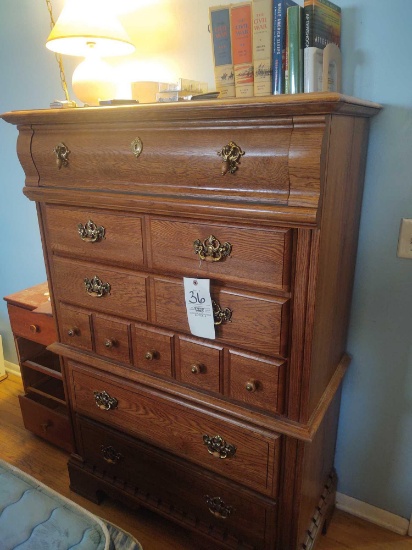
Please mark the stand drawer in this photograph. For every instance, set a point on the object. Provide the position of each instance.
(47, 419)
(38, 327)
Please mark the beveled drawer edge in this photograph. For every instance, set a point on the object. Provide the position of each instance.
(265, 214)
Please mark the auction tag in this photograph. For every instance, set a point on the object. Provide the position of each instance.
(199, 307)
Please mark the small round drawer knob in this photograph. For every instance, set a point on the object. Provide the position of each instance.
(251, 386)
(109, 343)
(73, 332)
(34, 328)
(196, 368)
(150, 355)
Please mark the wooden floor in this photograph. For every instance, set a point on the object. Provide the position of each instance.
(48, 464)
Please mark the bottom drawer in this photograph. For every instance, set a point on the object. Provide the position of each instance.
(233, 515)
(47, 419)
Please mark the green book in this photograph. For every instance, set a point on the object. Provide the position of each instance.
(294, 25)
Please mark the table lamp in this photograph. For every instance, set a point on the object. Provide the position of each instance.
(90, 29)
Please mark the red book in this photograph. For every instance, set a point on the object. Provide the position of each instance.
(242, 52)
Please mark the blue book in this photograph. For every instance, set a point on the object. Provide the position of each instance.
(222, 51)
(279, 44)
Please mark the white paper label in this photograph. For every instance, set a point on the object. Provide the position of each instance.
(199, 307)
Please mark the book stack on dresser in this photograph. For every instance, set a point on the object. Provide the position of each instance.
(231, 437)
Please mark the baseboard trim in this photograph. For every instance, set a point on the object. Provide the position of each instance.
(12, 368)
(375, 515)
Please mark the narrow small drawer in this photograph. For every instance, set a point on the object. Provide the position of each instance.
(256, 381)
(95, 235)
(117, 291)
(75, 327)
(38, 327)
(221, 508)
(47, 419)
(258, 322)
(256, 257)
(153, 350)
(200, 364)
(112, 338)
(238, 452)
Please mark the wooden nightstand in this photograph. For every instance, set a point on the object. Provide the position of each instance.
(43, 404)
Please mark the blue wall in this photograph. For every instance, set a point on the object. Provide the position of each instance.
(375, 433)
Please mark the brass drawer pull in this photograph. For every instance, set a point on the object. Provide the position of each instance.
(221, 315)
(230, 154)
(110, 343)
(96, 288)
(34, 328)
(218, 447)
(110, 454)
(90, 232)
(197, 368)
(151, 354)
(74, 331)
(104, 401)
(218, 508)
(251, 385)
(62, 152)
(137, 147)
(211, 249)
(46, 425)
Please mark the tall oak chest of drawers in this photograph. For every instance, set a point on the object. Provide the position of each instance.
(232, 437)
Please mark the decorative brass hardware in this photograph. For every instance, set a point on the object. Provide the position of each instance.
(197, 368)
(251, 385)
(137, 147)
(34, 328)
(218, 507)
(211, 249)
(230, 154)
(73, 332)
(110, 343)
(96, 288)
(45, 426)
(104, 401)
(151, 354)
(90, 232)
(110, 454)
(218, 447)
(221, 315)
(62, 152)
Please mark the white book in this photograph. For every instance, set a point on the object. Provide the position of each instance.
(313, 69)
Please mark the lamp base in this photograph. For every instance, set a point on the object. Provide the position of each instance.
(93, 80)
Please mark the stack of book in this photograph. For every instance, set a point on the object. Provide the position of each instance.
(264, 47)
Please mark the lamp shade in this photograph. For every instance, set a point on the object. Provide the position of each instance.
(85, 25)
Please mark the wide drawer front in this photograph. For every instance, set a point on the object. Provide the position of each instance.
(95, 235)
(232, 450)
(101, 288)
(52, 424)
(37, 327)
(258, 323)
(171, 161)
(256, 257)
(226, 511)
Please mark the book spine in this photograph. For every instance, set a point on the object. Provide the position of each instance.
(219, 18)
(262, 46)
(312, 69)
(309, 16)
(242, 51)
(295, 49)
(279, 45)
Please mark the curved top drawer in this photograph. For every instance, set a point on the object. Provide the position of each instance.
(161, 160)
